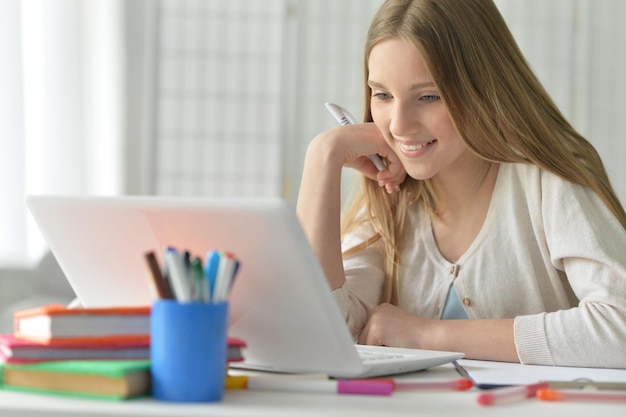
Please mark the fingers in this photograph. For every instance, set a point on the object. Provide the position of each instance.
(360, 144)
(373, 332)
(389, 187)
(391, 178)
(366, 167)
(364, 338)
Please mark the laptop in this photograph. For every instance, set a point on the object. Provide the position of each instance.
(281, 304)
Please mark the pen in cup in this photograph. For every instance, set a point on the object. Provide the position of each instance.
(225, 272)
(159, 283)
(178, 273)
(210, 271)
(344, 117)
(199, 290)
(185, 279)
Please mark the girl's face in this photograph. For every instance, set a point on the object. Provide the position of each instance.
(408, 110)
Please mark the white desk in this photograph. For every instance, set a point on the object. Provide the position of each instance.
(258, 403)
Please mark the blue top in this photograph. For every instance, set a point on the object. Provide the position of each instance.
(453, 308)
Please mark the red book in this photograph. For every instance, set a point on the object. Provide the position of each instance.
(40, 331)
(15, 350)
(235, 349)
(57, 324)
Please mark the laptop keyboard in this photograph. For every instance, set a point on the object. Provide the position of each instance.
(378, 356)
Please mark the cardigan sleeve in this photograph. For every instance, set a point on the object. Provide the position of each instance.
(588, 243)
(363, 287)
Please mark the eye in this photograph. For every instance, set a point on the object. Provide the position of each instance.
(429, 98)
(381, 95)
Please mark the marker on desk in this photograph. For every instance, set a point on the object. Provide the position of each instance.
(509, 394)
(550, 394)
(584, 383)
(343, 117)
(461, 384)
(348, 386)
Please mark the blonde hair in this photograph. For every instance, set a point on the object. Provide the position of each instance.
(499, 107)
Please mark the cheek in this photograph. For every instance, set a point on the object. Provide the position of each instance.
(382, 124)
(446, 127)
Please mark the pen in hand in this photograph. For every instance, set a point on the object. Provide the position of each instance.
(344, 118)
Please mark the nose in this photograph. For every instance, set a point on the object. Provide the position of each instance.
(404, 121)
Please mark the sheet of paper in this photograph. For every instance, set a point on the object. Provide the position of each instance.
(486, 373)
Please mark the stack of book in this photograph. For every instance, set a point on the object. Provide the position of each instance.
(94, 352)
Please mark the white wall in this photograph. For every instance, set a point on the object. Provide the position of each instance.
(21, 288)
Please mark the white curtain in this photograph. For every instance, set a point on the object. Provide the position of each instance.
(573, 45)
(576, 48)
(61, 110)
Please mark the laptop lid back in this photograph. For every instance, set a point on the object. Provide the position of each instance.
(281, 304)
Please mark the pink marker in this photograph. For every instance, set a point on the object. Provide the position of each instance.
(461, 384)
(509, 394)
(347, 386)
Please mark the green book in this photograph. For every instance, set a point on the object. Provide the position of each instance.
(103, 379)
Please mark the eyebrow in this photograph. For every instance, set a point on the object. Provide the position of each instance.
(416, 86)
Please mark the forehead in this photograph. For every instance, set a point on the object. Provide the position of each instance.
(395, 58)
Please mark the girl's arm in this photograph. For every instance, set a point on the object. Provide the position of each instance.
(319, 198)
(319, 204)
(478, 339)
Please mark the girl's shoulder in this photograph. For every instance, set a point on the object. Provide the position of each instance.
(532, 177)
(531, 185)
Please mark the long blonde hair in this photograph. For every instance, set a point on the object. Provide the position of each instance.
(499, 107)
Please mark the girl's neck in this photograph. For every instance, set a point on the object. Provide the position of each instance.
(469, 184)
(464, 198)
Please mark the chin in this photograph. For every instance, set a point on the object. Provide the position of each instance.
(419, 174)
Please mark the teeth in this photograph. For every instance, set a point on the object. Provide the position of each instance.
(413, 147)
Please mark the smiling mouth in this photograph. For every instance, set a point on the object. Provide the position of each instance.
(415, 147)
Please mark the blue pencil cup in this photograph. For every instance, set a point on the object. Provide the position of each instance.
(188, 351)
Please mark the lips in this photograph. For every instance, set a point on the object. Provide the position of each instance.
(413, 147)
